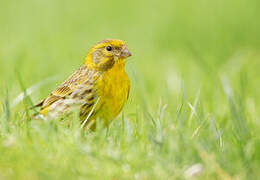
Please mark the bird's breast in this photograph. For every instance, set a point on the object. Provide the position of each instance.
(113, 89)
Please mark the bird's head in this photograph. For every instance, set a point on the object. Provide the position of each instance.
(106, 53)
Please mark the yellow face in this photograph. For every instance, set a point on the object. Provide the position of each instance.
(105, 53)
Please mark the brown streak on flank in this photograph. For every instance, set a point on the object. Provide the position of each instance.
(88, 91)
(87, 105)
(85, 109)
(91, 98)
(90, 104)
(84, 113)
(75, 95)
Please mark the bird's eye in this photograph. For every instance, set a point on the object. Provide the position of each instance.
(109, 48)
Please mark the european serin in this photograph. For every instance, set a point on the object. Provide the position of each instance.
(98, 89)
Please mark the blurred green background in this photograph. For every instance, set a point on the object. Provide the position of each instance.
(201, 58)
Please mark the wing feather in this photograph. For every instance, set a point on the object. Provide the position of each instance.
(68, 87)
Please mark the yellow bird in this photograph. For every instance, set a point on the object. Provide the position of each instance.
(98, 89)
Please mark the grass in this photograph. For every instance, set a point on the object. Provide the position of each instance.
(193, 110)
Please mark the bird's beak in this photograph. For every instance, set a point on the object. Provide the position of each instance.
(125, 53)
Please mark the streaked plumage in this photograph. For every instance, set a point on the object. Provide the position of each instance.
(100, 86)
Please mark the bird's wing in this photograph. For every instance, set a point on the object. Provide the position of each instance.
(82, 75)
